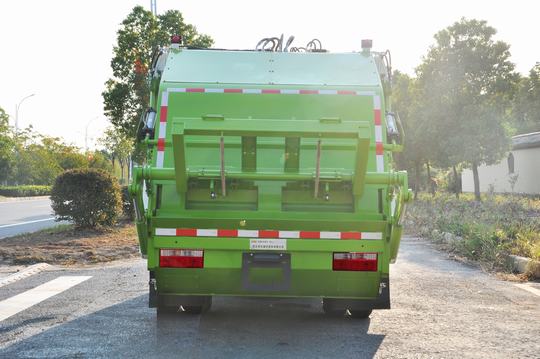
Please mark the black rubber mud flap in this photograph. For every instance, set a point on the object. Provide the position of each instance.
(152, 291)
(266, 260)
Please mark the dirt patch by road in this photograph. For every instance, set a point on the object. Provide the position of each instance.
(65, 245)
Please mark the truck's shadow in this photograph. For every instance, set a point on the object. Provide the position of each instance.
(235, 328)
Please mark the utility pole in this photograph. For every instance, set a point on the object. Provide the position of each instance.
(153, 7)
(86, 133)
(17, 113)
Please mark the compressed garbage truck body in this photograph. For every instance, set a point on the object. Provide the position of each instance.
(269, 174)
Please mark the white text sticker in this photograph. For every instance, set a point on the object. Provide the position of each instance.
(268, 244)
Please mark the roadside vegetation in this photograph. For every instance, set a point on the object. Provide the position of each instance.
(486, 232)
(25, 191)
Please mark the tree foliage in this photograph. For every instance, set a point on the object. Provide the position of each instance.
(7, 153)
(126, 93)
(118, 146)
(466, 85)
(526, 110)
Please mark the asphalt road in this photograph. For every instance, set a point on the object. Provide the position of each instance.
(441, 309)
(23, 216)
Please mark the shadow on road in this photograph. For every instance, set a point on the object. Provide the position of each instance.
(235, 328)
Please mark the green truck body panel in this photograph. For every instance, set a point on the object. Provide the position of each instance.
(300, 140)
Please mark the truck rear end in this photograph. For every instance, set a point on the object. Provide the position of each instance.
(270, 174)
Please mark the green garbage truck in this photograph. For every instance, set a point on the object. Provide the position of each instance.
(269, 174)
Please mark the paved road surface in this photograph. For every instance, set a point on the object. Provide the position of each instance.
(441, 309)
(22, 216)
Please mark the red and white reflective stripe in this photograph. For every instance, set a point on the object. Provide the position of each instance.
(243, 233)
(162, 131)
(377, 114)
(377, 118)
(258, 91)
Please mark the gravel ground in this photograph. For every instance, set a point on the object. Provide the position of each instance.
(441, 309)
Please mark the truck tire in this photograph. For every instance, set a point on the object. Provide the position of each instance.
(167, 309)
(206, 304)
(359, 314)
(330, 310)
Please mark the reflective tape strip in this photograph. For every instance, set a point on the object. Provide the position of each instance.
(162, 129)
(290, 92)
(330, 235)
(271, 91)
(371, 235)
(161, 144)
(376, 102)
(163, 114)
(289, 234)
(378, 133)
(380, 163)
(165, 231)
(242, 233)
(330, 92)
(246, 233)
(165, 99)
(207, 232)
(159, 159)
(251, 91)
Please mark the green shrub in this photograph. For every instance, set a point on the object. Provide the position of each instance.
(87, 197)
(127, 204)
(25, 191)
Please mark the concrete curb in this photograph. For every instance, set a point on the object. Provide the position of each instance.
(525, 265)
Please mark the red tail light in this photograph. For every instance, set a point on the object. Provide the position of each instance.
(366, 262)
(181, 258)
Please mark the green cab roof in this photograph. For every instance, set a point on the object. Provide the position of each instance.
(270, 68)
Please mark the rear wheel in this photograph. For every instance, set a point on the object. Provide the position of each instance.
(330, 310)
(360, 314)
(206, 304)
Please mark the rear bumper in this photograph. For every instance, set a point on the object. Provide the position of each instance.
(304, 269)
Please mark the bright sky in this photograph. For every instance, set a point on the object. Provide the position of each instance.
(60, 49)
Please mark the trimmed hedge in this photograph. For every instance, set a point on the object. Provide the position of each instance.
(87, 197)
(25, 191)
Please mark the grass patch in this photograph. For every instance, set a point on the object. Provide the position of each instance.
(490, 230)
(67, 245)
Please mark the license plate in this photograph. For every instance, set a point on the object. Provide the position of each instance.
(268, 244)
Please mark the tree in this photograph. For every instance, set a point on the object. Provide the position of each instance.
(7, 145)
(527, 104)
(126, 93)
(467, 83)
(405, 102)
(118, 146)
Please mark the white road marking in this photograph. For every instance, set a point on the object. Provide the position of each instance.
(25, 273)
(27, 222)
(20, 302)
(528, 288)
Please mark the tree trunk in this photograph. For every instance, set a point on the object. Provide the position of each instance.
(430, 181)
(121, 162)
(457, 182)
(476, 182)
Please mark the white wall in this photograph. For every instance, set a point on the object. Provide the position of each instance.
(526, 165)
